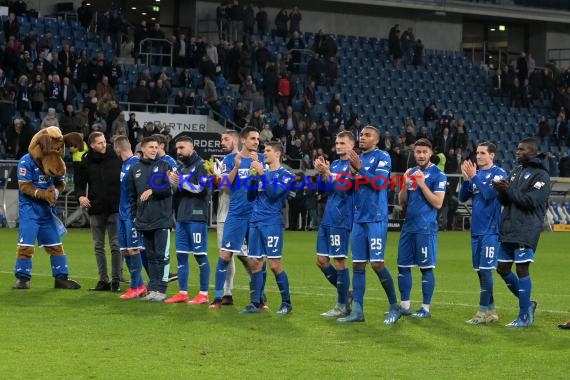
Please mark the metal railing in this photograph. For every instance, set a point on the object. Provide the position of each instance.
(158, 44)
(160, 108)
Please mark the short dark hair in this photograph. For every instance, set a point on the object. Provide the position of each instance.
(148, 139)
(93, 136)
(491, 147)
(160, 139)
(423, 142)
(530, 141)
(246, 131)
(346, 134)
(184, 138)
(277, 146)
(231, 132)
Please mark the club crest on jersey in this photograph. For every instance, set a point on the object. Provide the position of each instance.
(22, 171)
(497, 178)
(155, 169)
(526, 175)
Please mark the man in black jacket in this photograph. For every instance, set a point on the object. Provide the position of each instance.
(151, 206)
(192, 200)
(97, 189)
(524, 197)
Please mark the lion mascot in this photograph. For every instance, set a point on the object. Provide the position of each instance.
(41, 178)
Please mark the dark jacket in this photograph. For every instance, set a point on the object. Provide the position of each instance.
(525, 202)
(155, 213)
(102, 172)
(192, 196)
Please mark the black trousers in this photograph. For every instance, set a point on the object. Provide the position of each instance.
(155, 242)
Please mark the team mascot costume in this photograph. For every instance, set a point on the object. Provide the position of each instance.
(41, 178)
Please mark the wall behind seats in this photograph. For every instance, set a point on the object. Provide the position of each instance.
(436, 32)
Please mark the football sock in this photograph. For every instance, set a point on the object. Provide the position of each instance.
(255, 284)
(204, 265)
(342, 285)
(359, 285)
(405, 285)
(23, 268)
(486, 281)
(58, 265)
(425, 306)
(183, 271)
(136, 269)
(512, 282)
(525, 287)
(330, 273)
(388, 285)
(428, 285)
(221, 270)
(283, 284)
(229, 282)
(264, 272)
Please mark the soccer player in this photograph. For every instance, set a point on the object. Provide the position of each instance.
(422, 197)
(130, 243)
(161, 155)
(236, 174)
(150, 195)
(192, 199)
(524, 196)
(268, 195)
(370, 226)
(485, 223)
(230, 144)
(334, 231)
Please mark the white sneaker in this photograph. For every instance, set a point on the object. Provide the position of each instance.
(336, 312)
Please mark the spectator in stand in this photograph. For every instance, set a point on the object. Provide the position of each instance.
(262, 21)
(281, 21)
(103, 24)
(430, 113)
(296, 44)
(291, 120)
(408, 41)
(23, 93)
(241, 114)
(69, 121)
(386, 141)
(248, 20)
(68, 92)
(309, 98)
(262, 57)
(256, 121)
(212, 53)
(444, 142)
(50, 119)
(519, 94)
(185, 78)
(418, 53)
(460, 137)
(284, 93)
(396, 48)
(18, 138)
(410, 132)
(522, 67)
(248, 92)
(134, 129)
(424, 133)
(280, 130)
(161, 96)
(315, 68)
(227, 109)
(119, 126)
(295, 18)
(507, 80)
(265, 136)
(564, 165)
(141, 33)
(210, 94)
(559, 131)
(11, 26)
(297, 206)
(544, 131)
(270, 84)
(37, 95)
(140, 95)
(235, 13)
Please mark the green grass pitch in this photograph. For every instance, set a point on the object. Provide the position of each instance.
(48, 333)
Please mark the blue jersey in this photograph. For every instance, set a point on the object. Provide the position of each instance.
(339, 207)
(239, 206)
(31, 208)
(171, 161)
(421, 216)
(486, 218)
(371, 199)
(124, 202)
(269, 198)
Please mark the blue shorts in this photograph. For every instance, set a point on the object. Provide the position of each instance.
(417, 250)
(45, 231)
(332, 242)
(512, 252)
(235, 233)
(129, 238)
(484, 251)
(192, 237)
(368, 241)
(265, 241)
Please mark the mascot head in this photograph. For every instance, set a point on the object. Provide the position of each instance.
(47, 148)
